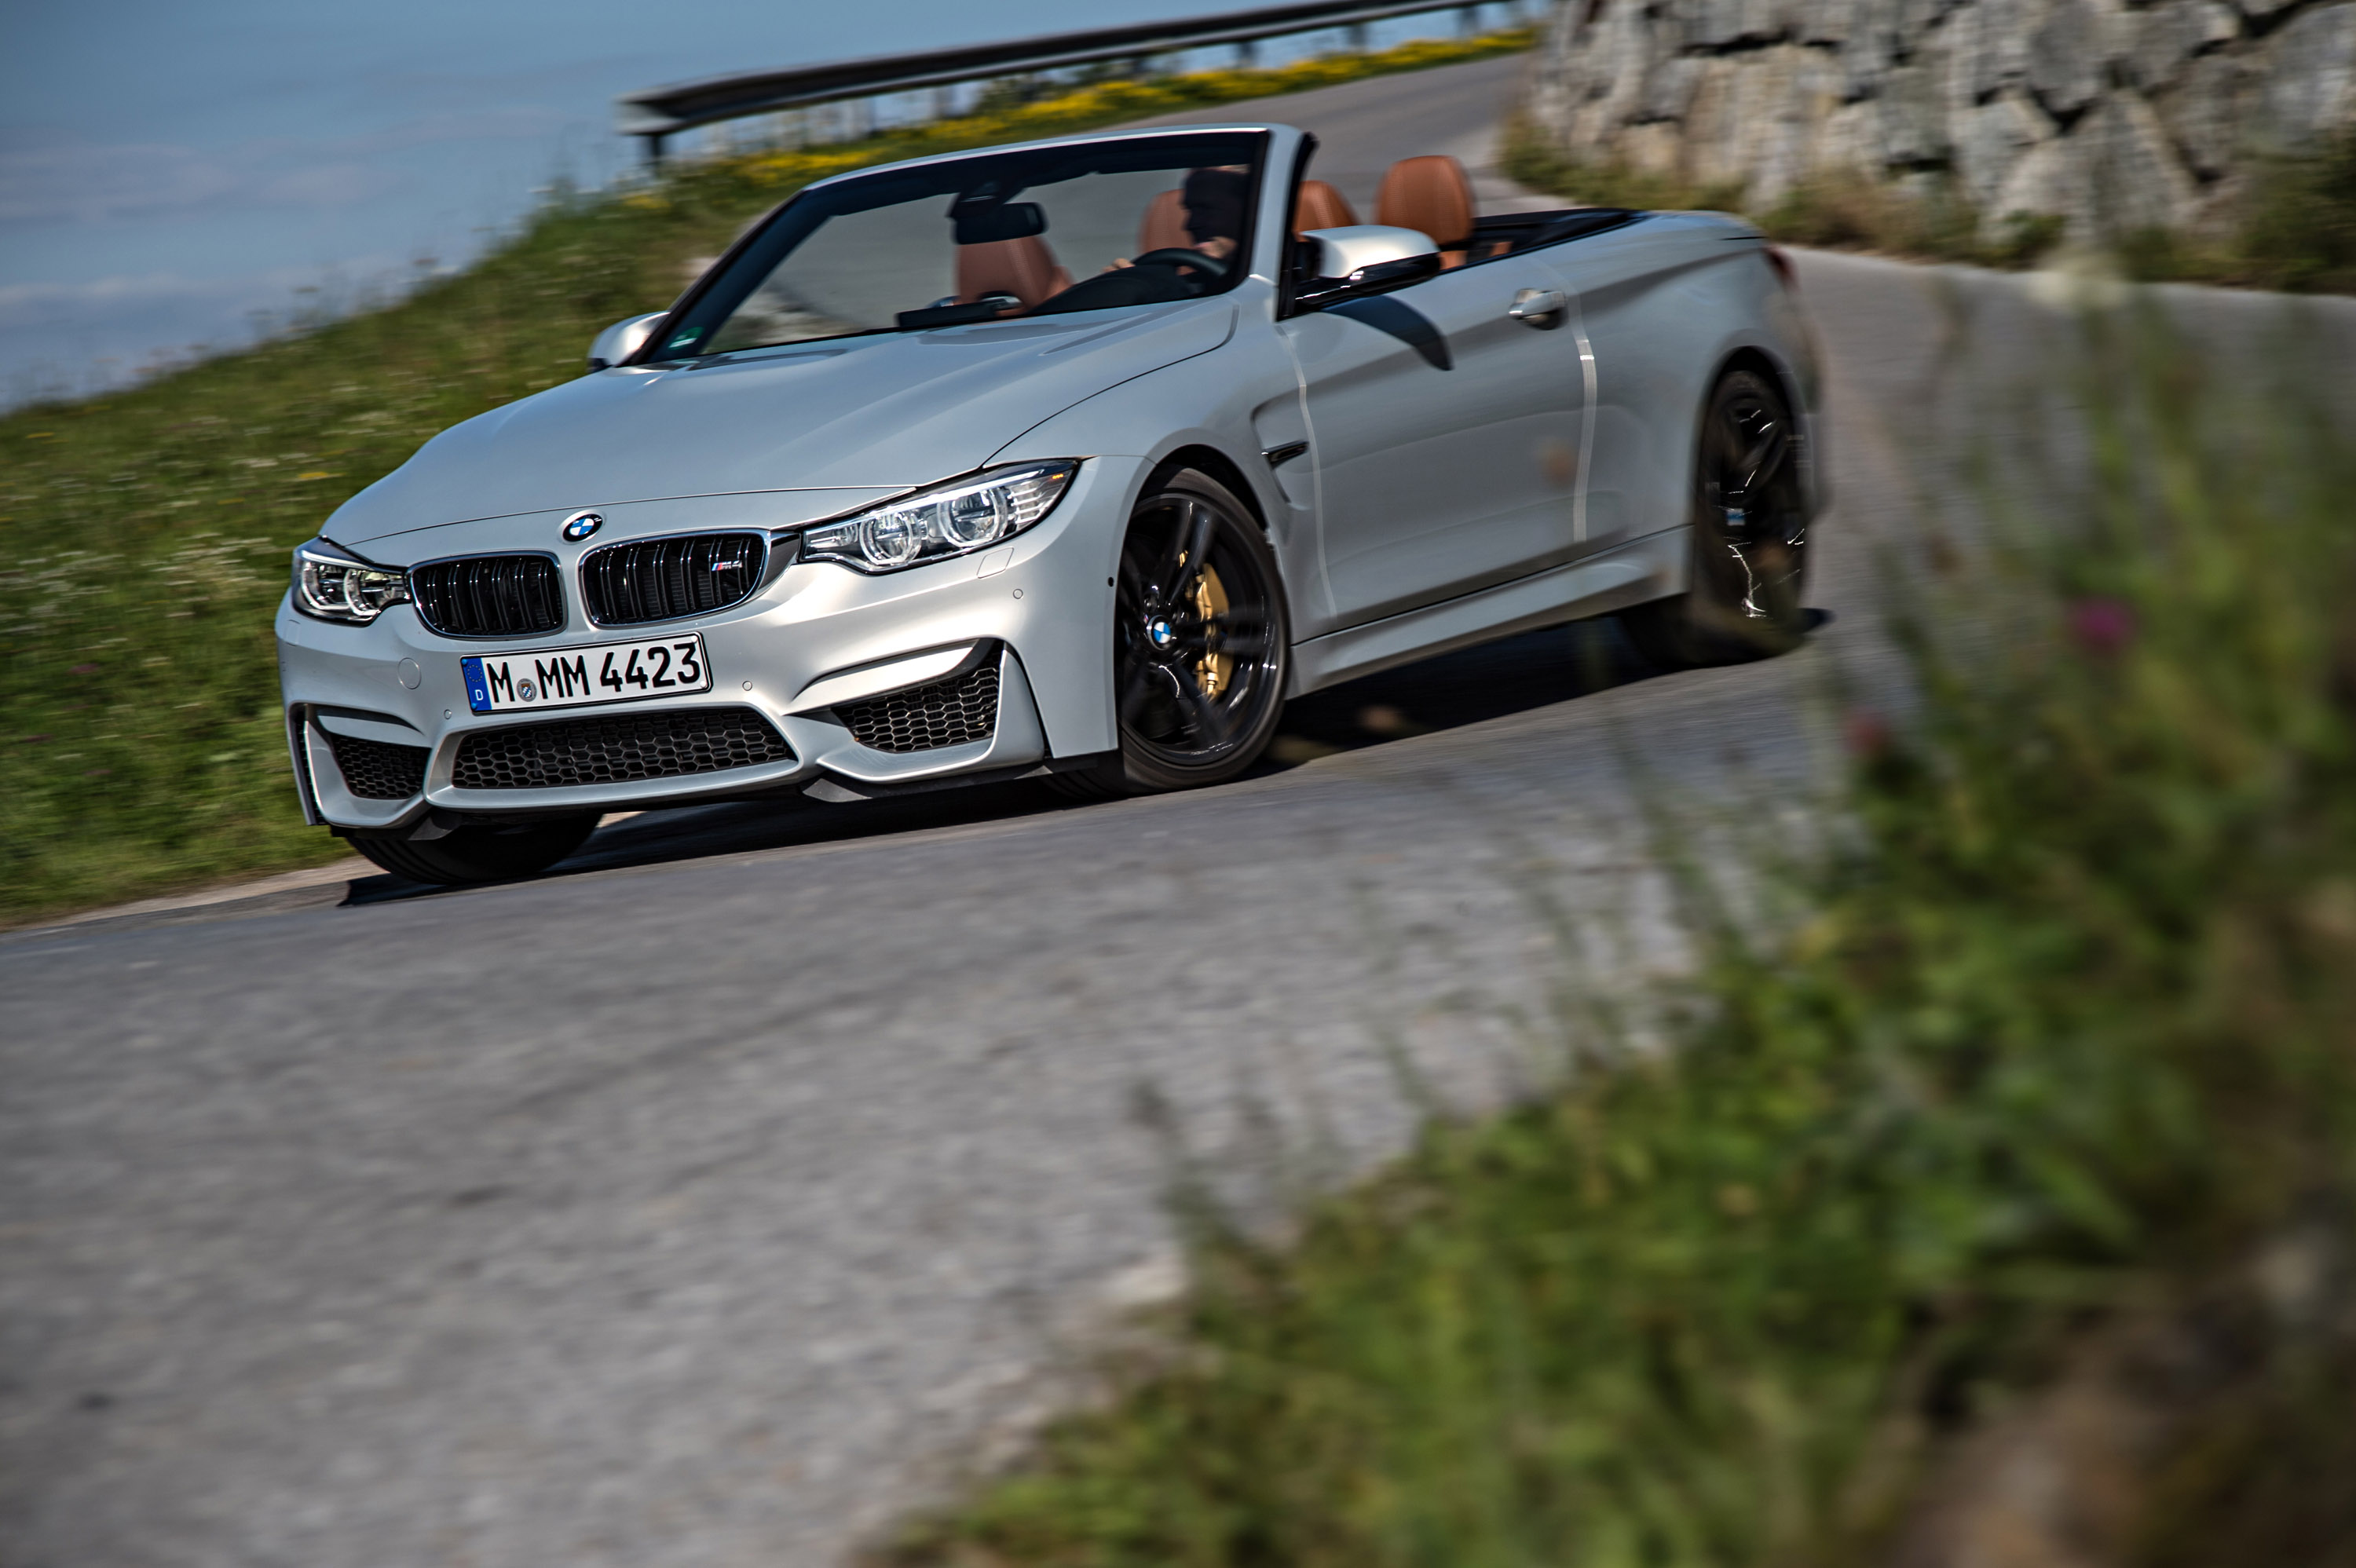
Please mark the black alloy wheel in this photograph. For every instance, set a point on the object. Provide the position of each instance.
(1201, 648)
(1749, 536)
(490, 852)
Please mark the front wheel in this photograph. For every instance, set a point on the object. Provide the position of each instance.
(1201, 644)
(1749, 537)
(486, 853)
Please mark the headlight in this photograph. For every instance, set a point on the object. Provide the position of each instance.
(335, 585)
(948, 519)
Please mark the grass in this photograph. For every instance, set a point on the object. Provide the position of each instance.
(146, 531)
(2294, 230)
(2063, 1040)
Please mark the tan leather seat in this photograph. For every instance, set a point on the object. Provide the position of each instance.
(1430, 194)
(1164, 225)
(1320, 205)
(1024, 268)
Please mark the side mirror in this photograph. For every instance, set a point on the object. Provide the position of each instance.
(622, 339)
(1365, 259)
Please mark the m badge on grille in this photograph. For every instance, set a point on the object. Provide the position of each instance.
(581, 524)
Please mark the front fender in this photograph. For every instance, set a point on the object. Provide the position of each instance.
(1238, 401)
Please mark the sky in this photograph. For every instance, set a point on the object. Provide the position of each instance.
(170, 167)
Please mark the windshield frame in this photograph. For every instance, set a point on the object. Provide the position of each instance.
(763, 235)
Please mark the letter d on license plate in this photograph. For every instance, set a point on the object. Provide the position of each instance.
(575, 678)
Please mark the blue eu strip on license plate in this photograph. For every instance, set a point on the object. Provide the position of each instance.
(478, 691)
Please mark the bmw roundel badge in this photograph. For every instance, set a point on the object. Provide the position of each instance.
(581, 524)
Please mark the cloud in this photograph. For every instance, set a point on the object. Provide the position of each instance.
(77, 338)
(85, 184)
(31, 304)
(55, 305)
(74, 181)
(514, 122)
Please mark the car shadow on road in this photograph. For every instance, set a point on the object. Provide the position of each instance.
(1491, 680)
(1515, 675)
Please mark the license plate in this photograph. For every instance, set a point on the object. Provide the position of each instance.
(574, 677)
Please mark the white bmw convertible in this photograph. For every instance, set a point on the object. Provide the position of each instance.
(1073, 459)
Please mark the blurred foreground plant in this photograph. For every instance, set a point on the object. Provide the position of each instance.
(2060, 1058)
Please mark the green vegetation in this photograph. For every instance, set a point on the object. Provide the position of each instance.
(2057, 1061)
(144, 534)
(2298, 231)
(2294, 228)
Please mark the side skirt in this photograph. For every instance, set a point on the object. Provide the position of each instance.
(1649, 568)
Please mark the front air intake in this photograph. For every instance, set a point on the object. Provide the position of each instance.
(631, 584)
(488, 595)
(617, 749)
(379, 770)
(954, 711)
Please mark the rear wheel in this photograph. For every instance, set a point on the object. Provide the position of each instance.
(1749, 537)
(488, 853)
(1201, 644)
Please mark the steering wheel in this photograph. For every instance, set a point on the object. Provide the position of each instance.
(1175, 256)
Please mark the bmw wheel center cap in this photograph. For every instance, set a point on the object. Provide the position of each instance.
(581, 524)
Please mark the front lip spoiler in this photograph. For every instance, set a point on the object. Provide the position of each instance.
(827, 763)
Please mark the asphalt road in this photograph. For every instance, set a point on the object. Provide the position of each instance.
(710, 1201)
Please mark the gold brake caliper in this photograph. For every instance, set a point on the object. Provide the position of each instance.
(1213, 670)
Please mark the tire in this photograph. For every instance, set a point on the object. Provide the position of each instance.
(484, 854)
(1749, 537)
(1202, 646)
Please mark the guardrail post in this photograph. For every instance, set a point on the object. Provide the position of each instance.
(653, 146)
(1247, 53)
(1357, 33)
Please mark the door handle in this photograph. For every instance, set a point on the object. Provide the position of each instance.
(1541, 308)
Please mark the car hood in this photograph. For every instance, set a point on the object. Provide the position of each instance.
(884, 413)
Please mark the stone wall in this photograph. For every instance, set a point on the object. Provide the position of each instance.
(2114, 116)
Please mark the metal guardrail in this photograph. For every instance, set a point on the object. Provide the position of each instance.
(656, 113)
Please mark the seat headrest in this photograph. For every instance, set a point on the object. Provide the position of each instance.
(1165, 227)
(1320, 205)
(1430, 194)
(1024, 268)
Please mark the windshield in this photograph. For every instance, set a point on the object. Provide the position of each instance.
(1033, 231)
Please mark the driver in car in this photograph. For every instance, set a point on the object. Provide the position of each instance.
(1214, 202)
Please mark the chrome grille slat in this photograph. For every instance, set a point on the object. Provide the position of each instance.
(639, 580)
(488, 595)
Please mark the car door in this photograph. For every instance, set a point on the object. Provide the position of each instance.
(1649, 315)
(1445, 434)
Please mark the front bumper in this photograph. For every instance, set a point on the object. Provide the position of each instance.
(810, 651)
